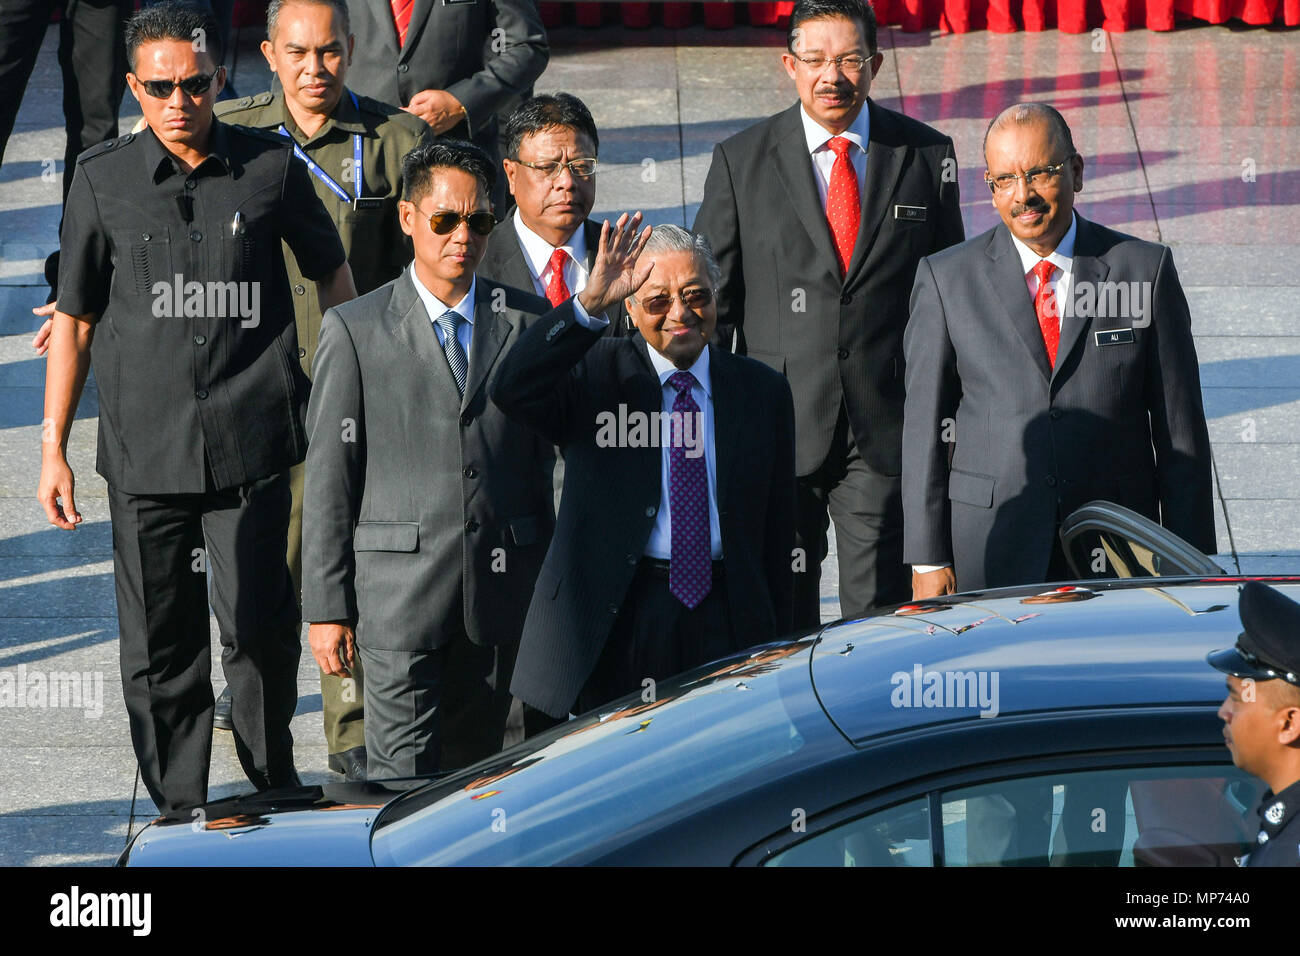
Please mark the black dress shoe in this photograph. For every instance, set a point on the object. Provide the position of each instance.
(221, 712)
(350, 763)
(283, 778)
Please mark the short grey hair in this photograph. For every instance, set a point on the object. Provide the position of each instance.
(670, 238)
(1023, 114)
(340, 8)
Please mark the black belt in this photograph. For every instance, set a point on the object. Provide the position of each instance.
(660, 568)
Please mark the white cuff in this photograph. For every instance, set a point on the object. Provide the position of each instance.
(594, 323)
(929, 568)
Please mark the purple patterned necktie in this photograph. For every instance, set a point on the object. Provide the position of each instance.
(690, 574)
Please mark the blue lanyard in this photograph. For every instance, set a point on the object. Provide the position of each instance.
(320, 173)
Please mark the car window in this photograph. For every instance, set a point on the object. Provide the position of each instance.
(897, 836)
(1168, 816)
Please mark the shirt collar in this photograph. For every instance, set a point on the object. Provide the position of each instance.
(346, 117)
(436, 307)
(537, 251)
(818, 136)
(162, 164)
(1061, 256)
(1276, 811)
(665, 369)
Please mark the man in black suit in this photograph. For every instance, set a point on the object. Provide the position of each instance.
(818, 216)
(549, 244)
(674, 535)
(426, 512)
(453, 63)
(1057, 356)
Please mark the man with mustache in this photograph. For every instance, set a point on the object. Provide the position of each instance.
(818, 216)
(1057, 356)
(353, 146)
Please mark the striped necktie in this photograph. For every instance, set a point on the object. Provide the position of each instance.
(449, 322)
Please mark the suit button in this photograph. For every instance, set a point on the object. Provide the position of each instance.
(465, 420)
(471, 525)
(611, 608)
(299, 290)
(201, 393)
(302, 353)
(650, 512)
(471, 472)
(196, 236)
(200, 340)
(846, 298)
(144, 236)
(1051, 481)
(1056, 413)
(403, 67)
(843, 353)
(189, 184)
(631, 559)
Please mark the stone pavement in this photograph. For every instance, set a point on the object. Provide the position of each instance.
(1191, 138)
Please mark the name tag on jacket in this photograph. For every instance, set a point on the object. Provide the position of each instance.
(910, 213)
(1114, 336)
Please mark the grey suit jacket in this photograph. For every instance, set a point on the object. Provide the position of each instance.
(838, 340)
(453, 47)
(423, 514)
(504, 262)
(1119, 417)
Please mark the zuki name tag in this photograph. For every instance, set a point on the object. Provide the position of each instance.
(910, 213)
(1114, 336)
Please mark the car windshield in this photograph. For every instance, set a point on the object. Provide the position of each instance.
(598, 781)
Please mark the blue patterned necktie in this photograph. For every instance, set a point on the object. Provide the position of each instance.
(449, 322)
(690, 571)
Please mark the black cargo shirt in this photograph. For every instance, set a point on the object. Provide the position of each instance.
(195, 351)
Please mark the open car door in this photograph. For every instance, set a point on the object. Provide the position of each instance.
(1105, 540)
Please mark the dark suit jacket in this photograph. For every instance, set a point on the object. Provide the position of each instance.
(451, 46)
(835, 339)
(504, 262)
(423, 514)
(558, 379)
(1121, 422)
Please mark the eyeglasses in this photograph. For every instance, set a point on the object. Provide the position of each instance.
(190, 86)
(443, 223)
(851, 63)
(580, 168)
(1039, 176)
(692, 298)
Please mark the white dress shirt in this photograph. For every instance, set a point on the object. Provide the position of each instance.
(660, 544)
(537, 255)
(823, 157)
(1063, 258)
(437, 308)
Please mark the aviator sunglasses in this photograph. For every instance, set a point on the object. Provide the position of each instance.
(443, 223)
(191, 85)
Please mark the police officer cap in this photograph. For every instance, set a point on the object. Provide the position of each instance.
(1269, 647)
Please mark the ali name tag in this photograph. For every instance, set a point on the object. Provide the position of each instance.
(1114, 336)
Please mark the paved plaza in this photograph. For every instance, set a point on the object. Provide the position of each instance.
(1191, 138)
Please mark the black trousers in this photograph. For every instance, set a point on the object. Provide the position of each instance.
(867, 508)
(162, 546)
(655, 636)
(93, 61)
(432, 710)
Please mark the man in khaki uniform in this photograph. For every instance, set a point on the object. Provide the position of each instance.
(309, 48)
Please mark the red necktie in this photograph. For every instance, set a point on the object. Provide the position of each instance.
(556, 290)
(401, 18)
(843, 205)
(1049, 319)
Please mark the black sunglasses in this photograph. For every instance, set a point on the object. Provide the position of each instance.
(443, 223)
(191, 85)
(693, 299)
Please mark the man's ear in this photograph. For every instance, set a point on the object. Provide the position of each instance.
(510, 168)
(352, 42)
(1289, 725)
(134, 85)
(268, 51)
(406, 216)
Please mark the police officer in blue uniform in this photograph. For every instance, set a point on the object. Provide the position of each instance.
(1261, 716)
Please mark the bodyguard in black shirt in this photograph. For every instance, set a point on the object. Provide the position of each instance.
(171, 265)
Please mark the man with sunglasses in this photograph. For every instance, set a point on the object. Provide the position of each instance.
(1261, 715)
(172, 269)
(427, 512)
(353, 146)
(819, 215)
(1050, 362)
(672, 546)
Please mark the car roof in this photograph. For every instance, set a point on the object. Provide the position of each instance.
(1027, 650)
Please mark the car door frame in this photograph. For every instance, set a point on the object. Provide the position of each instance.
(1108, 517)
